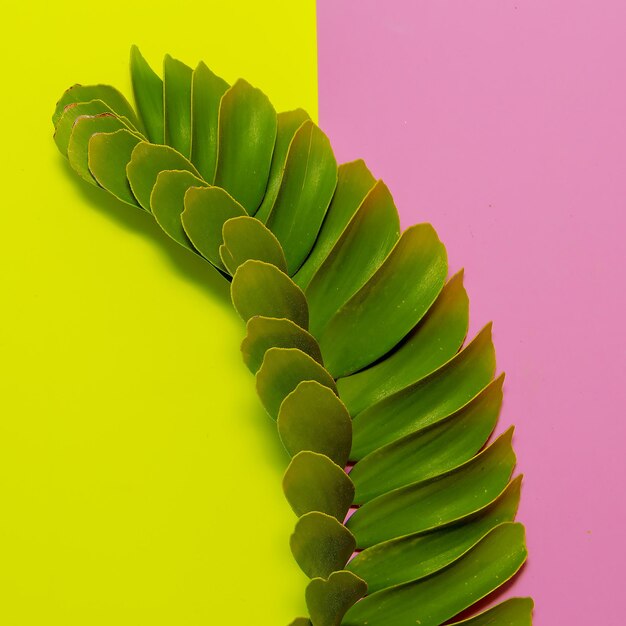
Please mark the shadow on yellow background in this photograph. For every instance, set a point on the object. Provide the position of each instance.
(139, 477)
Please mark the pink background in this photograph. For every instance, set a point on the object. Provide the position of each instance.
(503, 124)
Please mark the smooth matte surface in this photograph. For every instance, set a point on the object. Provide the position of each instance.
(502, 123)
(140, 479)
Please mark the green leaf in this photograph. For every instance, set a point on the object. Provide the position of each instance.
(434, 340)
(109, 95)
(82, 131)
(425, 402)
(434, 529)
(328, 600)
(354, 181)
(147, 160)
(321, 544)
(282, 370)
(387, 307)
(64, 128)
(148, 92)
(246, 238)
(512, 612)
(270, 332)
(305, 192)
(415, 556)
(433, 600)
(108, 155)
(247, 131)
(432, 450)
(260, 288)
(312, 482)
(206, 211)
(313, 418)
(206, 92)
(361, 249)
(288, 123)
(226, 259)
(177, 105)
(167, 202)
(436, 501)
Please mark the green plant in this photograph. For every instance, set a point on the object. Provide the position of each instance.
(353, 334)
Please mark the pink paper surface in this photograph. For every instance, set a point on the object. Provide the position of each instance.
(504, 125)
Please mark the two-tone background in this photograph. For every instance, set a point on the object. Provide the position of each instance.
(139, 477)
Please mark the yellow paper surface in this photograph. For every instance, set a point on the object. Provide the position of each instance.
(140, 480)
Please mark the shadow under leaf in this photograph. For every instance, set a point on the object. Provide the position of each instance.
(190, 266)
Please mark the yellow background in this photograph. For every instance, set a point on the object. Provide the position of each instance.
(139, 477)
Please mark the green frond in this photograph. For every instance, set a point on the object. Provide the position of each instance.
(353, 334)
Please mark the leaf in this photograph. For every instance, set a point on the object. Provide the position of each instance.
(206, 92)
(108, 154)
(177, 105)
(107, 94)
(206, 211)
(283, 369)
(312, 482)
(270, 332)
(84, 128)
(227, 259)
(418, 555)
(512, 612)
(64, 128)
(147, 160)
(321, 545)
(328, 600)
(432, 342)
(288, 123)
(245, 238)
(362, 247)
(432, 450)
(354, 181)
(148, 92)
(305, 192)
(167, 202)
(313, 418)
(436, 501)
(259, 288)
(247, 131)
(425, 402)
(385, 309)
(434, 529)
(433, 600)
